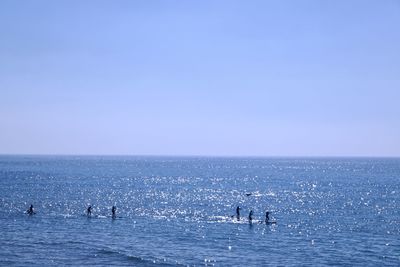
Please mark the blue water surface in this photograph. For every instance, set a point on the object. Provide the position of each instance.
(178, 211)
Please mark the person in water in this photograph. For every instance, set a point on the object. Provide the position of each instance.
(238, 213)
(30, 210)
(113, 210)
(251, 216)
(89, 211)
(267, 217)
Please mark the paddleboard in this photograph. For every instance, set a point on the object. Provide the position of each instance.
(101, 216)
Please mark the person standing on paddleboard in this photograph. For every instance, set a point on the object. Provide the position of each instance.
(89, 211)
(30, 210)
(238, 213)
(113, 210)
(267, 217)
(251, 216)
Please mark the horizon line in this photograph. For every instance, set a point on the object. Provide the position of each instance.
(196, 156)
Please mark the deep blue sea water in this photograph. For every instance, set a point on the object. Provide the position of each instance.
(177, 211)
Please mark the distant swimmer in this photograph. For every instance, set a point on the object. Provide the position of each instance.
(89, 211)
(113, 210)
(238, 213)
(267, 217)
(251, 216)
(30, 210)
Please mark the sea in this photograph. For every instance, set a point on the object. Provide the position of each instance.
(181, 211)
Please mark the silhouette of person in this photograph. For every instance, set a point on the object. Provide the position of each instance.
(89, 210)
(30, 210)
(113, 210)
(251, 216)
(238, 213)
(267, 217)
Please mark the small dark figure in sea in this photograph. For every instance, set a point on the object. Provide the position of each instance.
(113, 210)
(267, 217)
(30, 210)
(251, 217)
(238, 213)
(89, 211)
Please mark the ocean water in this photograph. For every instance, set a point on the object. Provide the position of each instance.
(178, 211)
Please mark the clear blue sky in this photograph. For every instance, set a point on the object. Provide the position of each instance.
(263, 78)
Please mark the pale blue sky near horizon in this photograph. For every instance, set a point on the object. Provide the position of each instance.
(223, 78)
